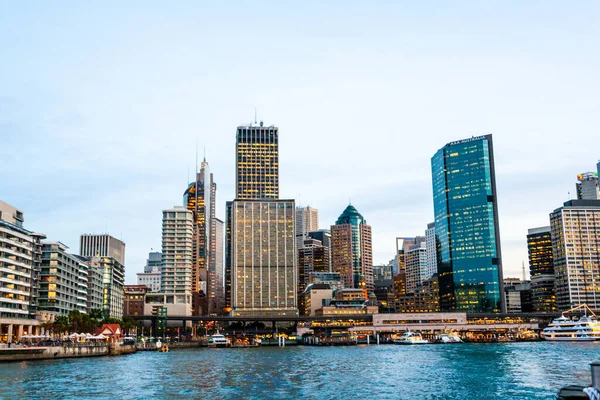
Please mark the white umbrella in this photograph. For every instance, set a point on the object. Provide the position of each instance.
(73, 336)
(100, 336)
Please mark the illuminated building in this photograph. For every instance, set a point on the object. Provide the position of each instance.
(575, 230)
(541, 269)
(518, 295)
(587, 187)
(307, 220)
(92, 245)
(20, 259)
(113, 281)
(313, 297)
(466, 226)
(415, 260)
(352, 250)
(134, 300)
(403, 245)
(424, 298)
(333, 279)
(218, 251)
(199, 198)
(431, 250)
(312, 257)
(177, 250)
(260, 249)
(63, 280)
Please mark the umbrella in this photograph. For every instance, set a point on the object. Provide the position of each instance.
(100, 336)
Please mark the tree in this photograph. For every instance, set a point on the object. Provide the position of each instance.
(61, 324)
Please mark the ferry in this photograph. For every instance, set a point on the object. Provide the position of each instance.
(584, 329)
(218, 340)
(411, 338)
(451, 337)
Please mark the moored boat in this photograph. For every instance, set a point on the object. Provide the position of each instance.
(218, 340)
(451, 337)
(411, 338)
(584, 329)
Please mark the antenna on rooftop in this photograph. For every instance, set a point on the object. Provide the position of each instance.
(255, 122)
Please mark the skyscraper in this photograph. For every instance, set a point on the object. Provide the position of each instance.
(199, 198)
(575, 230)
(307, 220)
(541, 269)
(431, 249)
(351, 248)
(466, 226)
(416, 266)
(587, 187)
(177, 253)
(103, 245)
(219, 284)
(261, 271)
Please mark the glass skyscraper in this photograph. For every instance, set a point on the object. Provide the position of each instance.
(466, 226)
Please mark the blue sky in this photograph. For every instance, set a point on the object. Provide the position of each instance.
(101, 106)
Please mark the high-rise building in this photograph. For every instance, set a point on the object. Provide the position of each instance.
(466, 226)
(113, 281)
(575, 230)
(403, 245)
(177, 249)
(352, 254)
(425, 298)
(219, 284)
(104, 245)
(151, 277)
(312, 257)
(257, 162)
(20, 259)
(587, 186)
(307, 220)
(431, 249)
(416, 266)
(153, 262)
(95, 283)
(199, 198)
(261, 270)
(63, 280)
(541, 269)
(518, 295)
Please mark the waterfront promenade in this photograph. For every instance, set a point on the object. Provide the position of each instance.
(474, 371)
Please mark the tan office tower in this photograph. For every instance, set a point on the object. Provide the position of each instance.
(307, 220)
(352, 254)
(91, 245)
(199, 198)
(177, 250)
(260, 255)
(257, 162)
(575, 232)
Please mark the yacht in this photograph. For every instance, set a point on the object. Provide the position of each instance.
(218, 340)
(584, 329)
(451, 337)
(411, 338)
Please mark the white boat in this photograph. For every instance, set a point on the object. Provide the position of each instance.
(218, 340)
(451, 337)
(411, 338)
(584, 329)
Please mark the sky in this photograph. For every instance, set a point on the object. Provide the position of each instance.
(102, 103)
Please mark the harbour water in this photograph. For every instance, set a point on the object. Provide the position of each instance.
(459, 371)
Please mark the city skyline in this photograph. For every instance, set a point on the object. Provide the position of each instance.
(474, 93)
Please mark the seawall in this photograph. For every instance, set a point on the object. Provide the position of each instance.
(70, 351)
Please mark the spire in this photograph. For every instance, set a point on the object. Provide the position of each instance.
(204, 154)
(196, 155)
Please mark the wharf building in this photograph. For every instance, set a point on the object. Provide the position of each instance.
(575, 231)
(63, 280)
(466, 226)
(587, 186)
(200, 198)
(352, 253)
(261, 272)
(307, 220)
(541, 269)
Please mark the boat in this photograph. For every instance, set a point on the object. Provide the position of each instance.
(451, 337)
(411, 338)
(218, 340)
(164, 348)
(527, 336)
(584, 329)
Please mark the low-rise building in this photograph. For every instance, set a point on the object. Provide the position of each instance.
(518, 295)
(150, 279)
(134, 300)
(313, 297)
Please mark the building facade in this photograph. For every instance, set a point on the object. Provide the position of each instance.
(431, 249)
(416, 266)
(104, 245)
(153, 262)
(352, 254)
(541, 269)
(95, 283)
(425, 298)
(63, 280)
(466, 226)
(219, 260)
(177, 250)
(587, 186)
(575, 231)
(307, 220)
(134, 300)
(151, 279)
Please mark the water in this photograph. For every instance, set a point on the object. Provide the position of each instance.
(464, 371)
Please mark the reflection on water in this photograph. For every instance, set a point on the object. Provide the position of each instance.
(475, 371)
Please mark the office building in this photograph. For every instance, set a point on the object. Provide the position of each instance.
(199, 198)
(587, 186)
(466, 226)
(541, 269)
(104, 245)
(313, 298)
(177, 249)
(518, 295)
(257, 162)
(425, 298)
(134, 300)
(307, 220)
(333, 279)
(403, 245)
(219, 261)
(113, 281)
(63, 280)
(575, 230)
(154, 261)
(20, 259)
(352, 254)
(312, 257)
(431, 249)
(151, 279)
(415, 260)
